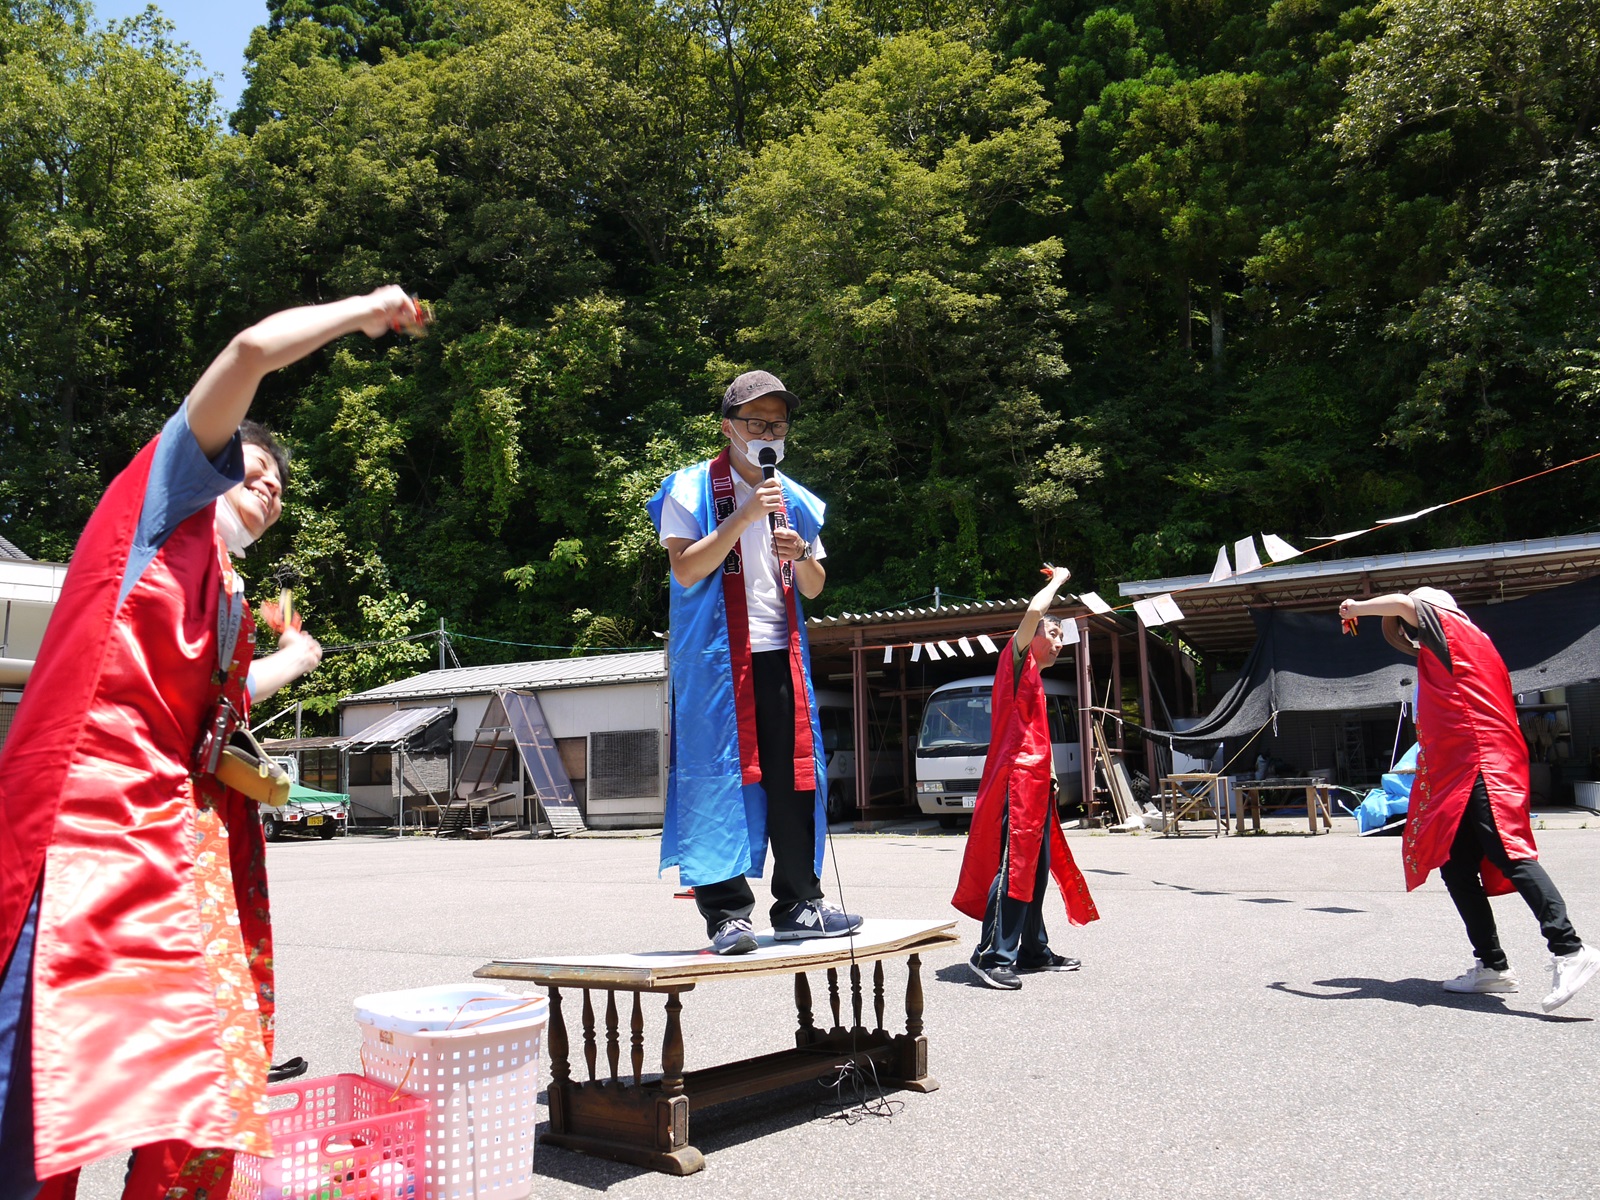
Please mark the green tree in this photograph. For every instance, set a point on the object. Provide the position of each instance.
(106, 148)
(878, 244)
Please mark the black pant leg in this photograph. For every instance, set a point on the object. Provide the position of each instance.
(725, 901)
(791, 814)
(1532, 881)
(1465, 884)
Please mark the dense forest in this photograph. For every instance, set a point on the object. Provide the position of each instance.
(1102, 282)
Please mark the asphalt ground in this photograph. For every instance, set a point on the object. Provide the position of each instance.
(1256, 1017)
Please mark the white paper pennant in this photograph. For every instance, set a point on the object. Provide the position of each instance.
(1147, 613)
(1168, 608)
(1092, 601)
(932, 649)
(949, 650)
(1277, 549)
(916, 651)
(1245, 557)
(1421, 512)
(1069, 632)
(966, 647)
(888, 655)
(1223, 569)
(988, 645)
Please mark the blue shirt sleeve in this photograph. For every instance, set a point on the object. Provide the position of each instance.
(182, 482)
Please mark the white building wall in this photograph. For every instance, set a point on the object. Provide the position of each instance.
(574, 712)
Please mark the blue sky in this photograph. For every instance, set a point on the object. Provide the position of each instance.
(217, 30)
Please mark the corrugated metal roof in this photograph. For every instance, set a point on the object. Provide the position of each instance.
(7, 550)
(1414, 560)
(396, 727)
(1217, 617)
(643, 666)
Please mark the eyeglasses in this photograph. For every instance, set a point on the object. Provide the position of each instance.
(756, 427)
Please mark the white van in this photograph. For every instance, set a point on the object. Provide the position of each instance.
(955, 738)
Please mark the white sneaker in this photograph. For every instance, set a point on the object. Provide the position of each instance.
(1569, 972)
(1479, 978)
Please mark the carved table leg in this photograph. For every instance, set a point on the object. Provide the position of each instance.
(877, 993)
(914, 996)
(672, 1048)
(560, 1072)
(855, 997)
(613, 1047)
(833, 998)
(638, 1040)
(588, 1033)
(913, 1047)
(807, 1032)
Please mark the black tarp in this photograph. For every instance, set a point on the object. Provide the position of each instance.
(1302, 663)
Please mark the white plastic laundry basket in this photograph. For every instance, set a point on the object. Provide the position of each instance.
(472, 1052)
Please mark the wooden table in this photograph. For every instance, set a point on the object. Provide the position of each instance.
(1178, 803)
(644, 1119)
(1316, 790)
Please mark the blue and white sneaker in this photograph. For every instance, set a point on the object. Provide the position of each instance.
(735, 936)
(813, 919)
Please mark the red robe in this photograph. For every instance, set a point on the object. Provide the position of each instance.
(1016, 784)
(152, 964)
(1466, 726)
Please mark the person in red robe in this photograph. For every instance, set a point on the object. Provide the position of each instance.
(1469, 813)
(1016, 840)
(136, 998)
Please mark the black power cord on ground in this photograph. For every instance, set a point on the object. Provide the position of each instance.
(854, 1094)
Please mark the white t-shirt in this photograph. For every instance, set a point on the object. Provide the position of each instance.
(769, 624)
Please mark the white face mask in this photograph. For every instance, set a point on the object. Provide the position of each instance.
(230, 528)
(752, 450)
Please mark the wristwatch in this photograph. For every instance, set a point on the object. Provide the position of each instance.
(805, 553)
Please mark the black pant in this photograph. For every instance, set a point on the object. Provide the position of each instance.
(791, 815)
(1013, 930)
(1477, 838)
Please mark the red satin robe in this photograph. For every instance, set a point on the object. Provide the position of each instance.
(152, 964)
(1016, 783)
(1466, 726)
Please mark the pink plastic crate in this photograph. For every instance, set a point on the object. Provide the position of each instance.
(338, 1138)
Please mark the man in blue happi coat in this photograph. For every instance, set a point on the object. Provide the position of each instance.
(747, 760)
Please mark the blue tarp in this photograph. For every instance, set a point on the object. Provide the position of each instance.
(1383, 804)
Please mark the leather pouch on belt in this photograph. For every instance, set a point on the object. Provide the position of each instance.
(244, 766)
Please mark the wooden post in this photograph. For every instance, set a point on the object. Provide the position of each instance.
(858, 688)
(1085, 721)
(908, 774)
(1147, 714)
(1118, 734)
(1180, 707)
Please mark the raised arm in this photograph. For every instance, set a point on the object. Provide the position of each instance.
(221, 399)
(1396, 604)
(1040, 604)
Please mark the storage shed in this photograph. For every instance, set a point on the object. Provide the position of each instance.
(606, 713)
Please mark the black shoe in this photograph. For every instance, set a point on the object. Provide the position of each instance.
(292, 1069)
(1056, 962)
(1001, 976)
(734, 937)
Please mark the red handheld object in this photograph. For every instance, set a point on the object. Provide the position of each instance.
(416, 321)
(1348, 625)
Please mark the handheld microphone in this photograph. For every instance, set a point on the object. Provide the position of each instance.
(768, 458)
